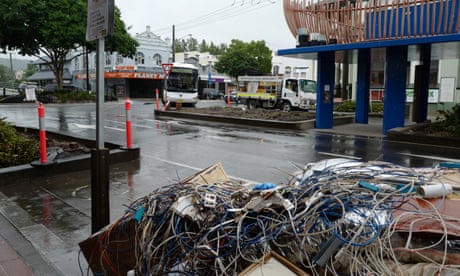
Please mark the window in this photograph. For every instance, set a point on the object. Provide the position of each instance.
(119, 59)
(140, 59)
(77, 64)
(84, 62)
(157, 59)
(287, 70)
(108, 59)
(434, 68)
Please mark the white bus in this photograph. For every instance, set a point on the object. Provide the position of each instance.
(181, 85)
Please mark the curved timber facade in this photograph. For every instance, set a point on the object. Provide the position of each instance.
(342, 21)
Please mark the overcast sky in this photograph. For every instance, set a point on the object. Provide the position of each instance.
(218, 21)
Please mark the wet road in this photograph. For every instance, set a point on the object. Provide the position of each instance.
(54, 212)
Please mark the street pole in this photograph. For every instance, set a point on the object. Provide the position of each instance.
(87, 68)
(173, 44)
(100, 205)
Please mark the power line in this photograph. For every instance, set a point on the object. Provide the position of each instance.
(225, 13)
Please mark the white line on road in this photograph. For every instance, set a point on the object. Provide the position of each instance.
(114, 128)
(432, 157)
(339, 155)
(135, 125)
(86, 126)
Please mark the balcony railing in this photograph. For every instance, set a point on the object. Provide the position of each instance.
(342, 21)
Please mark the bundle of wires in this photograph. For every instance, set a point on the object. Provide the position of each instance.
(333, 218)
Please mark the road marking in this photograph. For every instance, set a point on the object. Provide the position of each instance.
(86, 126)
(114, 128)
(136, 125)
(194, 168)
(340, 155)
(432, 157)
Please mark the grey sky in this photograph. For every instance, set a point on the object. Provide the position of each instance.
(218, 21)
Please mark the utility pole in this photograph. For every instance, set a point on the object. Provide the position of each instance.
(173, 44)
(87, 68)
(11, 66)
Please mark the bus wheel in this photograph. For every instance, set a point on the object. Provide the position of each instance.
(285, 107)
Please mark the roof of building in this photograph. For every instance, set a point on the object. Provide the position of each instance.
(48, 75)
(148, 38)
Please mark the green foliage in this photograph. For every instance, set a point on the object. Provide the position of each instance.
(191, 44)
(70, 96)
(16, 149)
(120, 41)
(347, 106)
(51, 29)
(241, 58)
(350, 106)
(29, 71)
(450, 120)
(5, 74)
(376, 107)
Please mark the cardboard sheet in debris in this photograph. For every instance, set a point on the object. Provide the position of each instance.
(412, 218)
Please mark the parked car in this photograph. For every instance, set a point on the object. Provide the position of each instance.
(212, 94)
(233, 96)
(51, 87)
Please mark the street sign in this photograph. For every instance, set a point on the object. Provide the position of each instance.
(100, 19)
(167, 68)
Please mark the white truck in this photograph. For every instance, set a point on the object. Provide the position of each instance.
(277, 92)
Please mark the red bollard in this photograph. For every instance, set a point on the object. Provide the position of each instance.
(42, 134)
(157, 101)
(129, 140)
(228, 98)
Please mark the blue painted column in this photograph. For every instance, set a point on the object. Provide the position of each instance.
(325, 90)
(395, 87)
(362, 88)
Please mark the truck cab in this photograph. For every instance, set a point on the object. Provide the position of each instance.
(298, 93)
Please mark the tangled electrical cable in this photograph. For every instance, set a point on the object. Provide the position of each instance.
(335, 217)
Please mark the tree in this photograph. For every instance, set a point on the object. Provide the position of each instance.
(29, 71)
(242, 58)
(5, 73)
(191, 44)
(51, 29)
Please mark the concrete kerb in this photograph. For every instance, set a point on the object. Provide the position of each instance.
(298, 125)
(79, 162)
(406, 134)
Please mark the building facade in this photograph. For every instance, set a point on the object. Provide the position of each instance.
(141, 76)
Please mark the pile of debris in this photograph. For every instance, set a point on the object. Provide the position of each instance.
(336, 216)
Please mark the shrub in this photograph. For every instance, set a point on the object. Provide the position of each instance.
(15, 148)
(347, 106)
(67, 96)
(450, 120)
(376, 107)
(350, 106)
